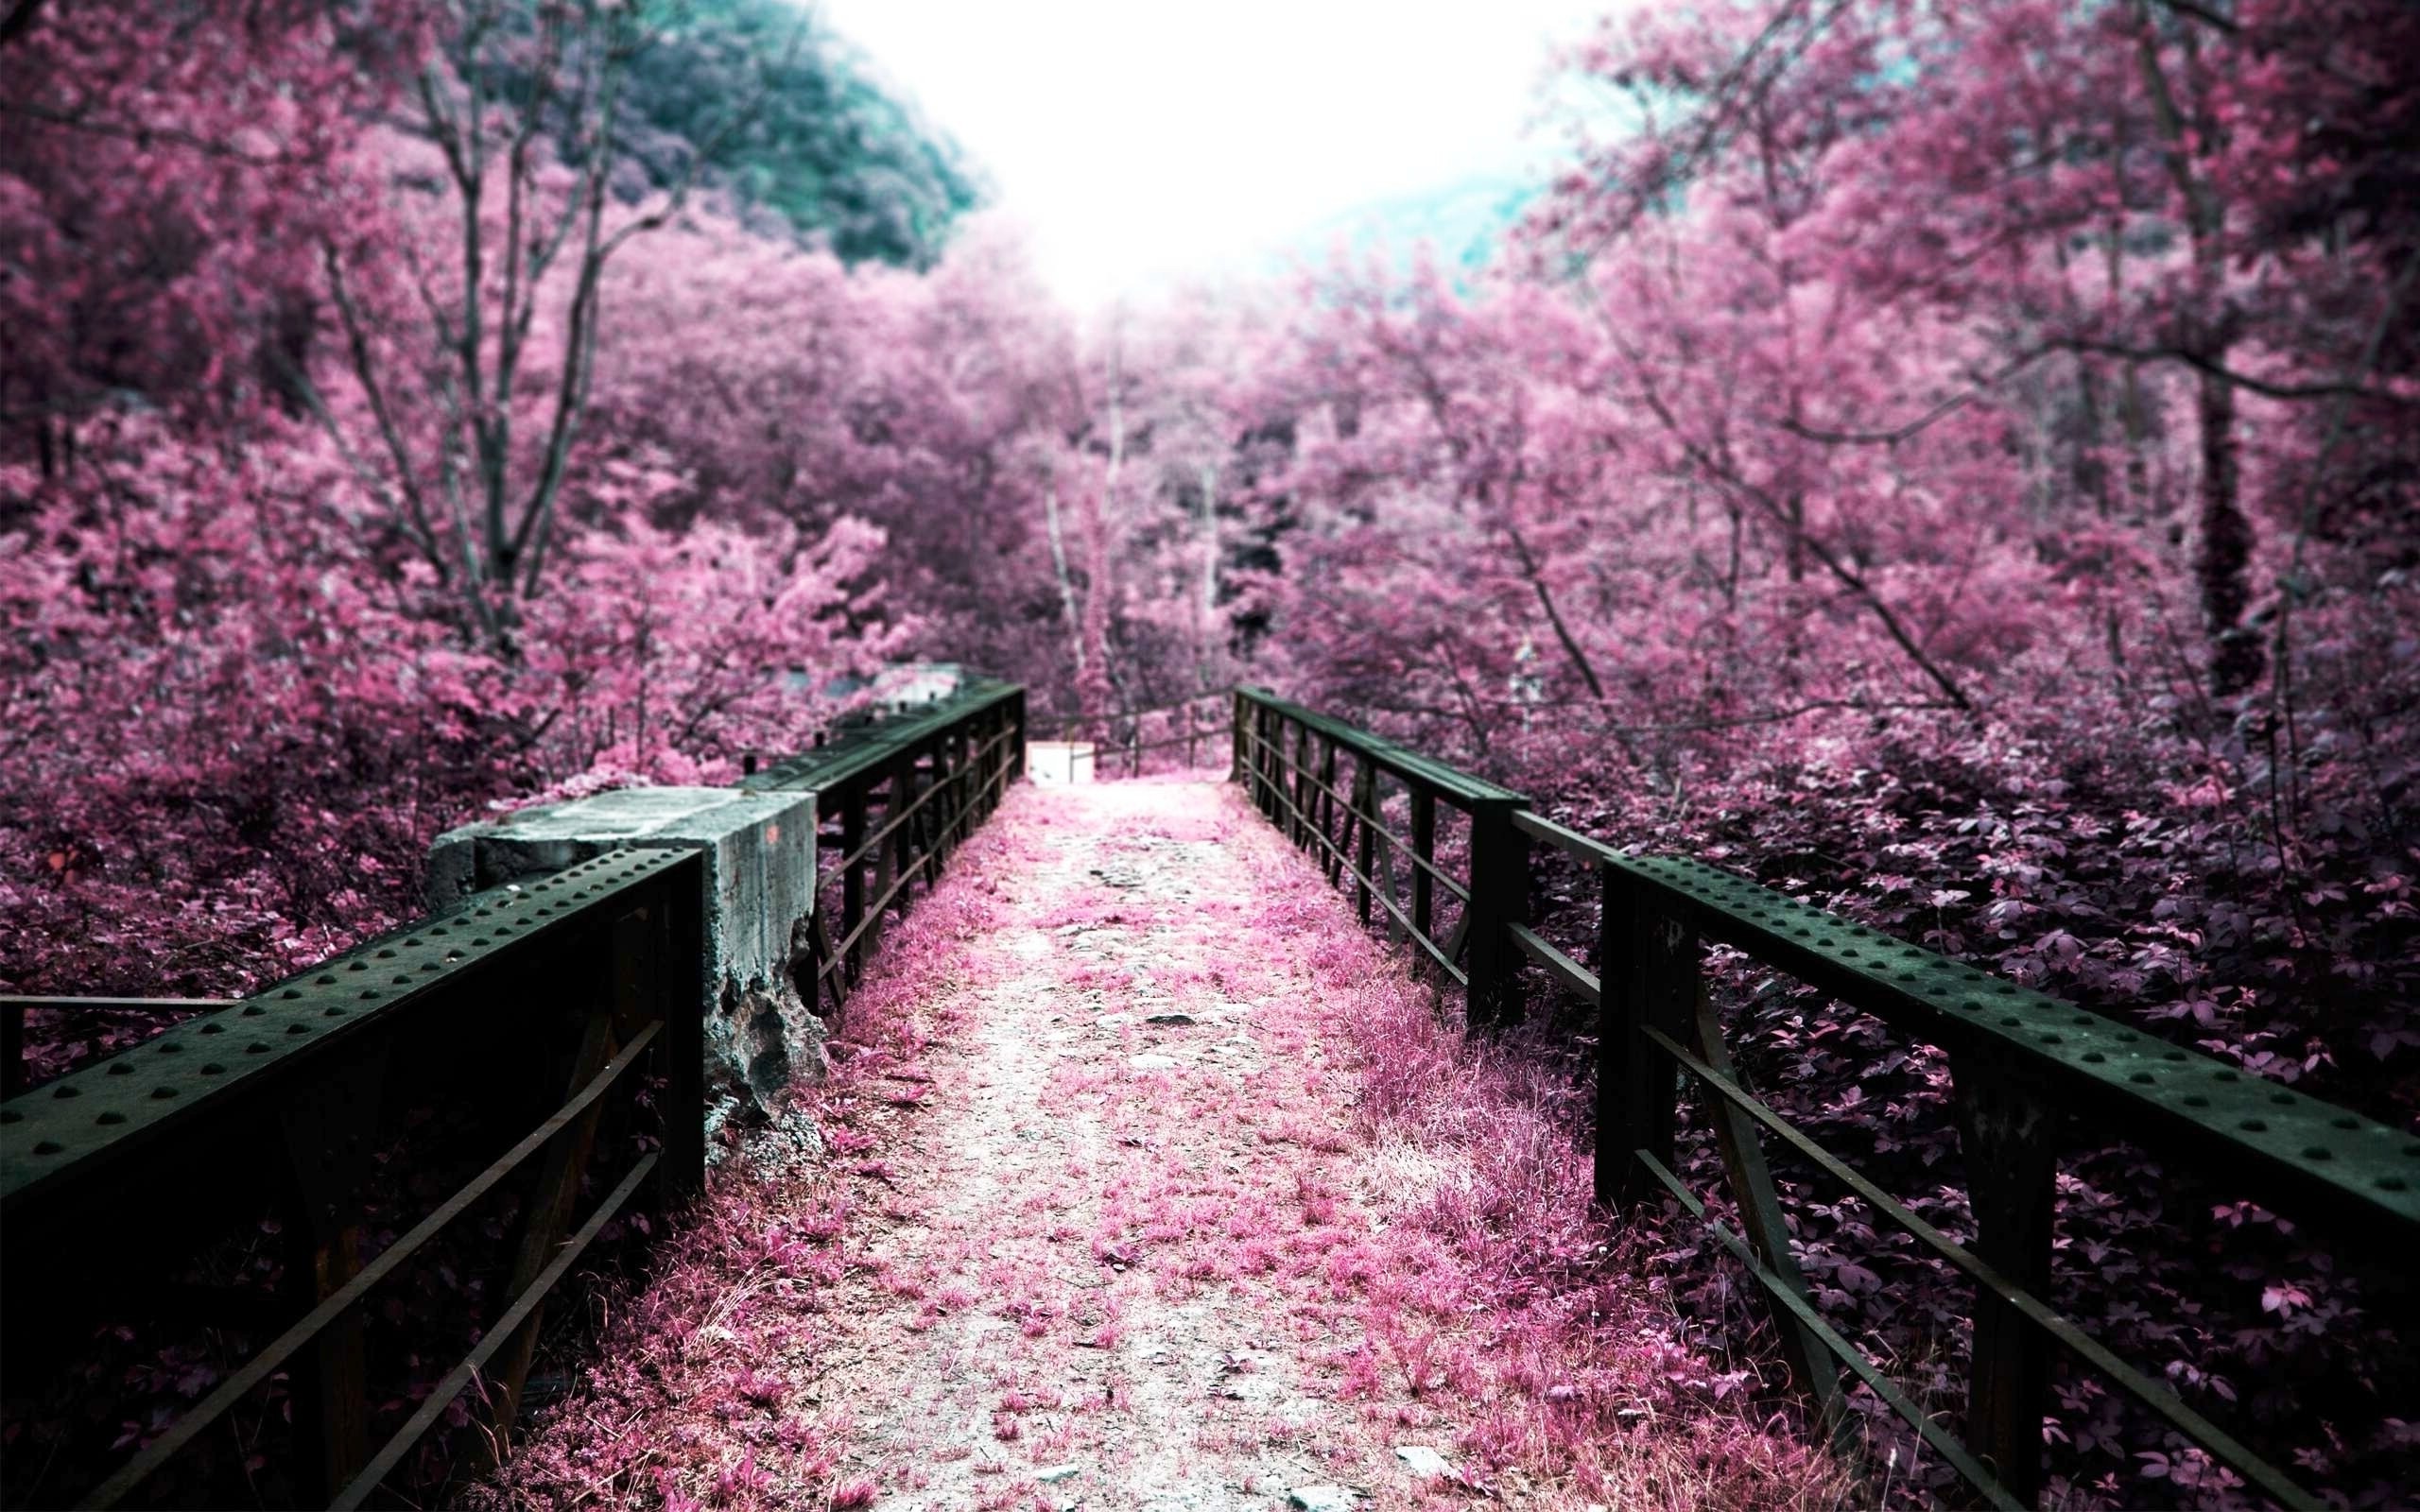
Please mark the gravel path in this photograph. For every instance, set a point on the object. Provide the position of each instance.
(1104, 1278)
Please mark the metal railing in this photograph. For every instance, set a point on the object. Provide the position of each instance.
(2027, 1068)
(1301, 797)
(577, 988)
(1194, 723)
(561, 1015)
(935, 773)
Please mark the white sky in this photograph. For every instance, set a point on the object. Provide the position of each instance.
(1140, 142)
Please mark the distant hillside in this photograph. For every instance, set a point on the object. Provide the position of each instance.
(1464, 223)
(825, 149)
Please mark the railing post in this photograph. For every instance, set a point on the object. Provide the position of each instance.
(2009, 1135)
(328, 1129)
(1323, 815)
(1499, 897)
(669, 978)
(1308, 798)
(1272, 752)
(1271, 734)
(1389, 893)
(1253, 754)
(1424, 845)
(1285, 805)
(1303, 785)
(852, 877)
(1015, 745)
(1759, 1205)
(1364, 816)
(12, 1049)
(934, 814)
(1654, 983)
(977, 771)
(566, 1165)
(908, 787)
(961, 772)
(886, 853)
(992, 786)
(1236, 770)
(1612, 1163)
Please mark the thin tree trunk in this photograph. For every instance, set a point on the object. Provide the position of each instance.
(1093, 681)
(1209, 527)
(1545, 601)
(2224, 558)
(1058, 569)
(2087, 464)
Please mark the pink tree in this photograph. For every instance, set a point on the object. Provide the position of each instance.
(145, 155)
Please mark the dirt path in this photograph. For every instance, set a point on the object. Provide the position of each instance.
(1097, 1213)
(1102, 1273)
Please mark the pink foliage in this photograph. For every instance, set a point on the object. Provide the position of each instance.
(290, 726)
(1952, 461)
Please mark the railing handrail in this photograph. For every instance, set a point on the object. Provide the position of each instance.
(2364, 1167)
(2023, 1062)
(1136, 713)
(1458, 787)
(272, 1101)
(111, 1108)
(868, 748)
(2288, 1143)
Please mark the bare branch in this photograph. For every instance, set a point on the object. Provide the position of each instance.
(1939, 412)
(1741, 89)
(530, 535)
(2271, 389)
(443, 130)
(430, 303)
(1731, 475)
(409, 517)
(365, 371)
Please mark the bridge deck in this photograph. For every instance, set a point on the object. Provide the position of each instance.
(1122, 1211)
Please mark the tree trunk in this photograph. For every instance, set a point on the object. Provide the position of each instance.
(2223, 557)
(2087, 460)
(1058, 569)
(1209, 525)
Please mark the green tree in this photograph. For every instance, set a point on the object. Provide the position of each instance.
(822, 146)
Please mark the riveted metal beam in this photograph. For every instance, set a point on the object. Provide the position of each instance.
(2291, 1150)
(1458, 788)
(65, 1133)
(867, 750)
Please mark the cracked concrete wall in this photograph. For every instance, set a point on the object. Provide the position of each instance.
(760, 884)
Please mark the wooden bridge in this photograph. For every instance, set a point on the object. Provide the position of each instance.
(137, 1191)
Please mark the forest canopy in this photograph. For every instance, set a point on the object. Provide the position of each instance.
(1956, 462)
